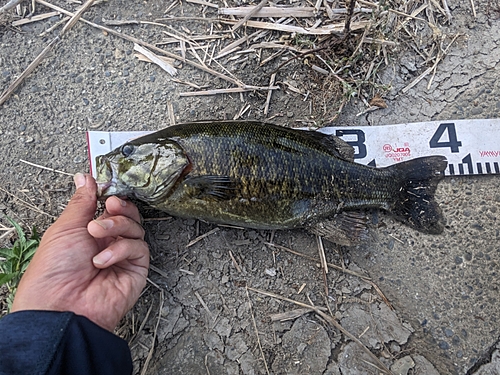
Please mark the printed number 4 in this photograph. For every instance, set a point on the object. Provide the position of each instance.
(453, 143)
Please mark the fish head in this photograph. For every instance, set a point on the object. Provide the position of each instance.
(145, 171)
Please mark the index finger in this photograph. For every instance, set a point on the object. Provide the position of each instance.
(120, 207)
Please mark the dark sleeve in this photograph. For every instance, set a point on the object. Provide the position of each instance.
(50, 343)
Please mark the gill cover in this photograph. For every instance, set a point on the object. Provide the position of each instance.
(145, 171)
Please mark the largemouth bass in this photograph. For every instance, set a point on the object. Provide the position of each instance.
(263, 176)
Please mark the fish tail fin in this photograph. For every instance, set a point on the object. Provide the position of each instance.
(415, 204)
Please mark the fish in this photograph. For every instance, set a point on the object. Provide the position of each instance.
(264, 176)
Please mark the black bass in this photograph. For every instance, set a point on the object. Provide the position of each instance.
(263, 176)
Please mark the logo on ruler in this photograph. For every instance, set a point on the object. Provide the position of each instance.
(397, 153)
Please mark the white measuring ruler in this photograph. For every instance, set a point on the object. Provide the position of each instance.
(471, 146)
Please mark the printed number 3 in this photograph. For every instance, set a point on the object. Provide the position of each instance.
(453, 143)
(359, 142)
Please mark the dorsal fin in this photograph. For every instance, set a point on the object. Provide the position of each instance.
(333, 145)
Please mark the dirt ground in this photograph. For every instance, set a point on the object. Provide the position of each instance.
(204, 311)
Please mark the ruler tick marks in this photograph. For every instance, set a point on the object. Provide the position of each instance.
(479, 168)
(452, 169)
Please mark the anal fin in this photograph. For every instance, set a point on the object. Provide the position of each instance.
(348, 228)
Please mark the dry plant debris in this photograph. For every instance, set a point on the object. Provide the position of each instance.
(344, 45)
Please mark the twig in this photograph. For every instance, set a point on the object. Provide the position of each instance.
(31, 67)
(54, 26)
(158, 271)
(205, 306)
(250, 13)
(227, 91)
(266, 12)
(324, 265)
(269, 94)
(7, 233)
(256, 331)
(156, 59)
(151, 350)
(148, 45)
(199, 238)
(317, 260)
(36, 18)
(157, 218)
(325, 30)
(201, 2)
(141, 327)
(46, 168)
(350, 12)
(290, 315)
(206, 364)
(235, 263)
(11, 4)
(447, 9)
(228, 49)
(29, 205)
(428, 70)
(473, 9)
(74, 19)
(380, 293)
(170, 110)
(330, 320)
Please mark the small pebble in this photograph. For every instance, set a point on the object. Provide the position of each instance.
(444, 345)
(448, 332)
(107, 73)
(152, 78)
(270, 271)
(85, 101)
(22, 128)
(125, 72)
(77, 159)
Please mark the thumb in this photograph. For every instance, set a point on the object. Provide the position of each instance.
(82, 206)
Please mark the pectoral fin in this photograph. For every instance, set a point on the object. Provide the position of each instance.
(217, 187)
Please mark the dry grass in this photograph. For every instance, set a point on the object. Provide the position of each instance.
(343, 48)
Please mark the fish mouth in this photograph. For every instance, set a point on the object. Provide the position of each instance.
(102, 189)
(106, 178)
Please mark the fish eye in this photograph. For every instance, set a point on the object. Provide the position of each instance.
(127, 149)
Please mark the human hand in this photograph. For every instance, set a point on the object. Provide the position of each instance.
(95, 268)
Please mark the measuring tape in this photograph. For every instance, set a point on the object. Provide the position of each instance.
(472, 147)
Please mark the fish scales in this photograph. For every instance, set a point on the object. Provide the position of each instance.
(280, 178)
(265, 176)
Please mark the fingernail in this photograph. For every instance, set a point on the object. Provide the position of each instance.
(122, 202)
(79, 180)
(105, 224)
(102, 257)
